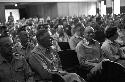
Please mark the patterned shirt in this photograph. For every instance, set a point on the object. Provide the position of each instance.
(88, 52)
(110, 50)
(42, 62)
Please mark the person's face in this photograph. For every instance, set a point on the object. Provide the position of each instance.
(80, 32)
(6, 47)
(10, 13)
(46, 40)
(89, 34)
(60, 30)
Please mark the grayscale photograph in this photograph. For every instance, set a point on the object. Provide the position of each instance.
(62, 40)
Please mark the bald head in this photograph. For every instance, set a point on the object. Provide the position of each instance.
(88, 29)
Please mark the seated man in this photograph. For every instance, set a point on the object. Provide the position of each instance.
(88, 50)
(45, 63)
(13, 68)
(110, 49)
(26, 45)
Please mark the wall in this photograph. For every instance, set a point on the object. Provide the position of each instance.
(2, 13)
(61, 9)
(42, 10)
(76, 8)
(122, 4)
(109, 6)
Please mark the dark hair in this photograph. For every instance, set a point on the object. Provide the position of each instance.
(110, 31)
(3, 31)
(39, 33)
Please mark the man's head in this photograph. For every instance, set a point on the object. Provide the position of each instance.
(60, 29)
(111, 32)
(6, 44)
(10, 13)
(44, 39)
(78, 30)
(89, 33)
(23, 36)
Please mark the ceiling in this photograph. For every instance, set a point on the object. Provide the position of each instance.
(48, 0)
(24, 3)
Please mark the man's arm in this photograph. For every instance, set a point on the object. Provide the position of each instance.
(38, 68)
(82, 57)
(107, 53)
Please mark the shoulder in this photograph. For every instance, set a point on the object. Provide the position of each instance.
(105, 47)
(105, 44)
(80, 45)
(72, 37)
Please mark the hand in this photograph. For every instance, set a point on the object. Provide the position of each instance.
(63, 72)
(97, 67)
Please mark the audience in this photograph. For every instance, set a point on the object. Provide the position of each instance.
(97, 40)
